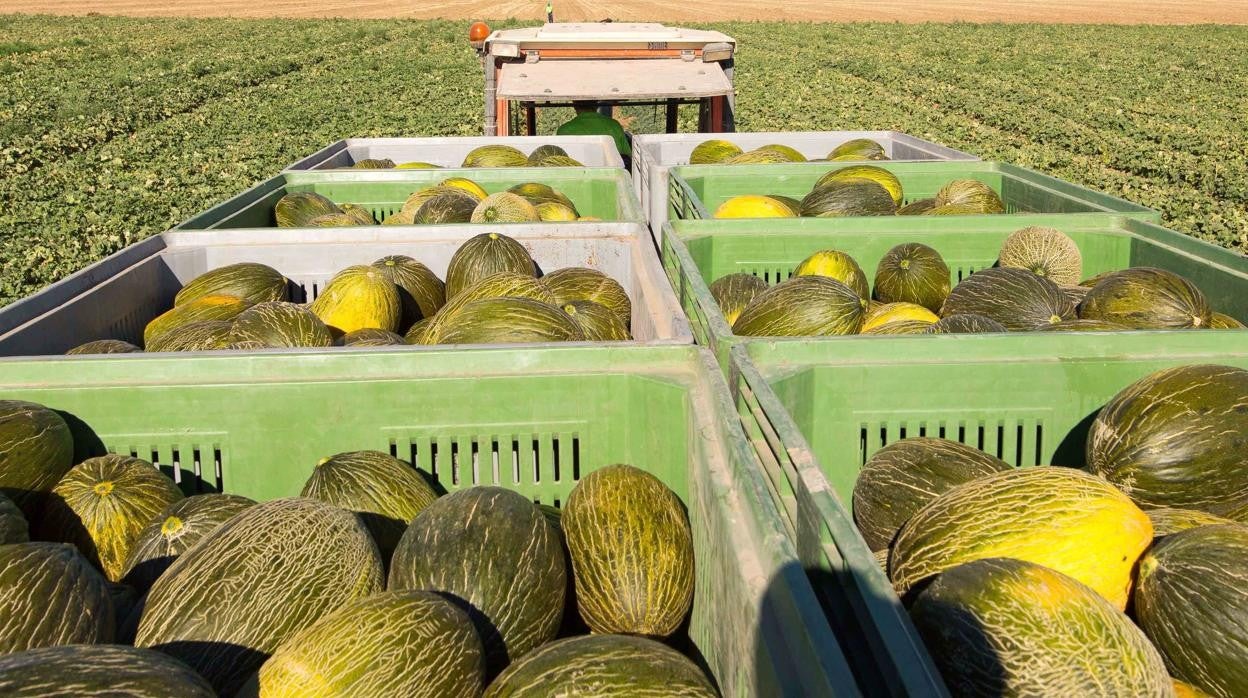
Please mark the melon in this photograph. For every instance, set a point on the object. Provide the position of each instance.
(382, 490)
(1075, 293)
(544, 151)
(556, 161)
(357, 297)
(247, 280)
(871, 173)
(734, 292)
(505, 284)
(104, 346)
(1006, 627)
(1044, 251)
(374, 164)
(887, 313)
(371, 337)
(794, 205)
(1167, 520)
(954, 210)
(1192, 601)
(554, 212)
(278, 324)
(581, 284)
(445, 209)
(789, 153)
(421, 292)
(484, 255)
(971, 193)
(205, 335)
(1222, 321)
(753, 206)
(1016, 298)
(917, 208)
(713, 151)
(298, 208)
(859, 149)
(849, 197)
(1176, 438)
(1186, 690)
(1145, 298)
(1082, 326)
(416, 333)
(836, 265)
(465, 185)
(51, 595)
(215, 307)
(407, 213)
(899, 327)
(495, 156)
(537, 193)
(13, 526)
(337, 220)
(912, 273)
(172, 532)
(758, 156)
(508, 321)
(297, 560)
(965, 323)
(904, 476)
(632, 552)
(358, 214)
(36, 450)
(416, 165)
(492, 552)
(597, 322)
(98, 671)
(622, 665)
(505, 207)
(803, 306)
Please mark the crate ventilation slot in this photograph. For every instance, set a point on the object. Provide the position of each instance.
(1019, 443)
(482, 460)
(196, 470)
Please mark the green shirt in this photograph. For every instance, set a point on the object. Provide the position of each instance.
(591, 123)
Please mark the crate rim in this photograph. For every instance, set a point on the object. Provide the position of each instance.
(320, 155)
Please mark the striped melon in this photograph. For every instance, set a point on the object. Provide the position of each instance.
(1192, 601)
(371, 337)
(1145, 298)
(297, 559)
(859, 149)
(1044, 251)
(104, 346)
(1167, 520)
(466, 185)
(277, 324)
(953, 210)
(358, 214)
(396, 644)
(1082, 326)
(1061, 518)
(753, 206)
(1075, 293)
(537, 193)
(1222, 321)
(13, 526)
(357, 297)
(734, 292)
(103, 503)
(36, 450)
(417, 165)
(581, 284)
(556, 161)
(900, 327)
(445, 209)
(505, 284)
(912, 273)
(416, 199)
(904, 476)
(382, 490)
(337, 220)
(972, 193)
(871, 173)
(803, 306)
(202, 308)
(505, 207)
(172, 532)
(632, 552)
(790, 154)
(917, 208)
(887, 313)
(51, 595)
(849, 197)
(1176, 438)
(1005, 627)
(554, 212)
(542, 152)
(482, 256)
(1016, 298)
(495, 156)
(603, 666)
(965, 323)
(298, 208)
(597, 322)
(794, 205)
(374, 164)
(421, 292)
(205, 335)
(713, 151)
(98, 671)
(416, 333)
(247, 280)
(836, 265)
(758, 156)
(493, 551)
(508, 321)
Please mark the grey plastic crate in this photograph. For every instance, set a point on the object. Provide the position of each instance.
(590, 151)
(655, 154)
(115, 298)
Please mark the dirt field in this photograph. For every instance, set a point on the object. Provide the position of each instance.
(1077, 11)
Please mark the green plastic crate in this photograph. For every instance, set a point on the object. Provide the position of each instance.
(696, 253)
(695, 191)
(257, 425)
(816, 412)
(599, 192)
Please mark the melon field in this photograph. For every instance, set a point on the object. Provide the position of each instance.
(113, 129)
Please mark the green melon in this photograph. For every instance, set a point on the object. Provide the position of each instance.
(965, 323)
(1016, 298)
(416, 333)
(505, 284)
(632, 552)
(1044, 251)
(953, 210)
(1075, 293)
(758, 156)
(537, 193)
(98, 671)
(417, 165)
(1005, 627)
(1167, 520)
(482, 256)
(494, 553)
(374, 164)
(13, 526)
(556, 161)
(871, 173)
(553, 212)
(1082, 326)
(790, 153)
(508, 321)
(1061, 518)
(103, 503)
(495, 156)
(36, 450)
(445, 209)
(620, 665)
(397, 644)
(421, 292)
(900, 327)
(371, 337)
(337, 220)
(467, 186)
(581, 284)
(597, 322)
(734, 292)
(51, 595)
(970, 192)
(298, 208)
(713, 151)
(358, 214)
(407, 213)
(297, 559)
(1192, 601)
(104, 346)
(905, 476)
(382, 490)
(848, 197)
(172, 532)
(278, 324)
(838, 266)
(203, 308)
(1222, 321)
(357, 297)
(1146, 298)
(542, 152)
(804, 306)
(794, 205)
(505, 207)
(859, 149)
(205, 335)
(912, 273)
(247, 280)
(917, 208)
(1176, 438)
